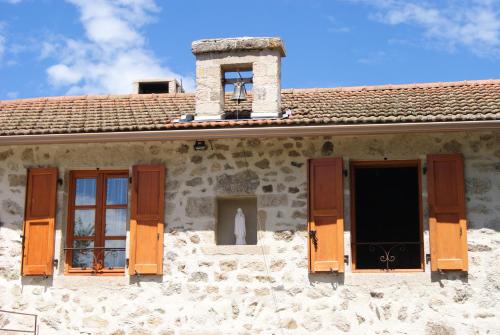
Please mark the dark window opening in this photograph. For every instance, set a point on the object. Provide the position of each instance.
(153, 88)
(387, 218)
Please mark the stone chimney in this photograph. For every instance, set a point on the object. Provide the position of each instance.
(215, 57)
(157, 86)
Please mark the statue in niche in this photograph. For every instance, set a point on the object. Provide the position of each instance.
(239, 227)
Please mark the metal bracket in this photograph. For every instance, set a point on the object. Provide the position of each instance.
(56, 263)
(346, 259)
(314, 238)
(233, 81)
(427, 258)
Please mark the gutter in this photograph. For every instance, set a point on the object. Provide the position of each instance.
(282, 131)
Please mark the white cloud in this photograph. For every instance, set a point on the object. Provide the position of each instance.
(336, 26)
(12, 95)
(373, 58)
(474, 24)
(113, 53)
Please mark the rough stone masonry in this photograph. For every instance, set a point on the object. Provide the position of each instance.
(263, 289)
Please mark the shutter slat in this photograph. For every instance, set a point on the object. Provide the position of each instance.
(447, 222)
(39, 222)
(326, 219)
(146, 224)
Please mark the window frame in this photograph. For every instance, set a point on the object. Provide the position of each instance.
(100, 206)
(352, 181)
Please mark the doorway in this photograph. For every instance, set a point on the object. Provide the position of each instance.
(386, 216)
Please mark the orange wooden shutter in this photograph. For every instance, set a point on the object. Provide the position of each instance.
(447, 223)
(326, 215)
(146, 225)
(39, 222)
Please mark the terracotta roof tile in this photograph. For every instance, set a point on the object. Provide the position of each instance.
(434, 102)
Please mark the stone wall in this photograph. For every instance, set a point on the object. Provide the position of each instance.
(263, 289)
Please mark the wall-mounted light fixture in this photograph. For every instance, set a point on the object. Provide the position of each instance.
(200, 145)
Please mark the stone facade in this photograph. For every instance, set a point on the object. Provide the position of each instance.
(263, 289)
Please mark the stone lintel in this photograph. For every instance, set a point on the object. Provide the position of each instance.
(265, 115)
(209, 117)
(236, 250)
(237, 44)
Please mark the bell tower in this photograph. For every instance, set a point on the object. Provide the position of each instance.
(259, 55)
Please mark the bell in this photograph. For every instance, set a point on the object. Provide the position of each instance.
(240, 92)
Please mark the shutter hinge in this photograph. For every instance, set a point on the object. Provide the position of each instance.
(427, 258)
(130, 180)
(424, 169)
(55, 263)
(346, 259)
(126, 262)
(157, 236)
(313, 238)
(346, 173)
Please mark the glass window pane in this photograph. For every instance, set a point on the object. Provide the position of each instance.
(83, 257)
(114, 258)
(116, 222)
(85, 192)
(116, 193)
(84, 222)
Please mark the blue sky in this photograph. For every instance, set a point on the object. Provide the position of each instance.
(57, 47)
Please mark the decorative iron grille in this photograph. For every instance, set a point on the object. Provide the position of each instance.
(389, 255)
(93, 257)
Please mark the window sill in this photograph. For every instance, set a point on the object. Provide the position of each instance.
(92, 273)
(236, 250)
(384, 279)
(84, 281)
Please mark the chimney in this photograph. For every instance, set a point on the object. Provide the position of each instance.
(216, 57)
(157, 86)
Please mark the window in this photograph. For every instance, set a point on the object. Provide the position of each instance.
(386, 216)
(97, 222)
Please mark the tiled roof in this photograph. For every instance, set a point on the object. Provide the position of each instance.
(458, 101)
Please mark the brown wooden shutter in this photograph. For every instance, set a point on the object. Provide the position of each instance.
(146, 224)
(39, 222)
(447, 222)
(326, 215)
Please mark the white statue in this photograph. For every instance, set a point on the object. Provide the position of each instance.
(239, 227)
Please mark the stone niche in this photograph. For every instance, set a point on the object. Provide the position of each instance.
(226, 211)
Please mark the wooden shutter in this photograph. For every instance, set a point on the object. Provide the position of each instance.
(146, 225)
(39, 222)
(326, 215)
(447, 223)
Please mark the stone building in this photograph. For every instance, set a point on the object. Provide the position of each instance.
(368, 210)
